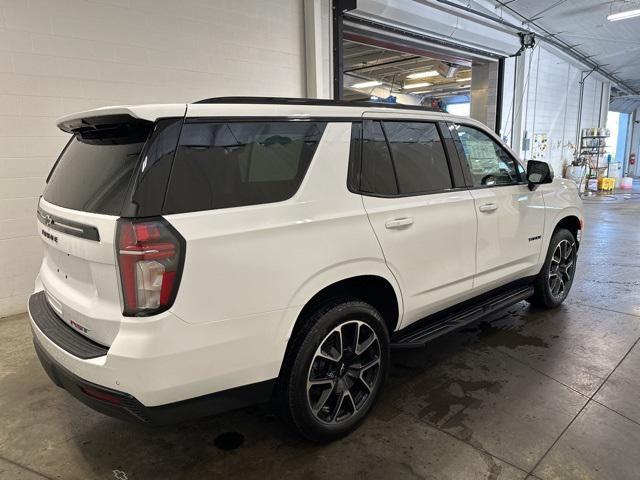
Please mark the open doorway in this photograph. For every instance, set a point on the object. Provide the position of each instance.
(391, 76)
(618, 126)
(382, 66)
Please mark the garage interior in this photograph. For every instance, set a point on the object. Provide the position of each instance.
(378, 74)
(525, 393)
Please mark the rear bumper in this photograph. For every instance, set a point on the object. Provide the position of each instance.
(113, 382)
(126, 407)
(59, 332)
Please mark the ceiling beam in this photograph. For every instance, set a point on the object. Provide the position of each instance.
(547, 36)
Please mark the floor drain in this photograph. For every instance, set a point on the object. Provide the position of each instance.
(229, 440)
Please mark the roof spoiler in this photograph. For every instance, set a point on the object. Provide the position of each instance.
(108, 117)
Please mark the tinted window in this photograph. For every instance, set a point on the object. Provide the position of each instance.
(355, 157)
(93, 174)
(489, 163)
(419, 158)
(230, 164)
(377, 174)
(150, 184)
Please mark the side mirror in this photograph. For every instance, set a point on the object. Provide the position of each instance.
(538, 173)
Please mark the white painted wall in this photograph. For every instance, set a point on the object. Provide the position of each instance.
(60, 56)
(549, 104)
(318, 51)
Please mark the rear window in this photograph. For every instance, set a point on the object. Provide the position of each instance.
(419, 158)
(378, 175)
(403, 158)
(231, 164)
(94, 170)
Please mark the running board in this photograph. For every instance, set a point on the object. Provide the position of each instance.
(431, 328)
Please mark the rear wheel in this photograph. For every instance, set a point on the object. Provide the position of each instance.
(335, 369)
(554, 281)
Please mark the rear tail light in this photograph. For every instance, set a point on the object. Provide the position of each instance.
(150, 259)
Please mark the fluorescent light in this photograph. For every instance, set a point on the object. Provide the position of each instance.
(462, 80)
(368, 84)
(464, 86)
(624, 15)
(428, 90)
(427, 74)
(407, 86)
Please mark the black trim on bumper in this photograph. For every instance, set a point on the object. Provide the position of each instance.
(126, 407)
(59, 332)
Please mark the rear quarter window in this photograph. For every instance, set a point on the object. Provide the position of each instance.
(232, 164)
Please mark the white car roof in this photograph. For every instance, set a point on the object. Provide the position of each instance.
(258, 107)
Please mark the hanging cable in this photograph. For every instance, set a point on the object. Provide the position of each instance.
(524, 88)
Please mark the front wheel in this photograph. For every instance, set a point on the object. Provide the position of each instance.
(554, 281)
(334, 372)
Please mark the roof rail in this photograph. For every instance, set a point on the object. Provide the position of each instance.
(311, 101)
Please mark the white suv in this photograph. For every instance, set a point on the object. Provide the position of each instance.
(207, 256)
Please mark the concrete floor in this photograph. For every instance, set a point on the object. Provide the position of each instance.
(551, 394)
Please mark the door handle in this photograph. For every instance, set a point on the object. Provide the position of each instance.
(399, 222)
(488, 207)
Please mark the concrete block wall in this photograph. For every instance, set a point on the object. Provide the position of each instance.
(61, 56)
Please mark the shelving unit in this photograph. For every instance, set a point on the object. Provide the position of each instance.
(591, 153)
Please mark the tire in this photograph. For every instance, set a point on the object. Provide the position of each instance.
(554, 281)
(325, 392)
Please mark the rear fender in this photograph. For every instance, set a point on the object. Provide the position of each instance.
(336, 273)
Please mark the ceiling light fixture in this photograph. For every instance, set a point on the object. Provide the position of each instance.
(624, 15)
(427, 74)
(428, 90)
(367, 84)
(408, 86)
(463, 80)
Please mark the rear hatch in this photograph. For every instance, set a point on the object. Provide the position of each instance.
(77, 220)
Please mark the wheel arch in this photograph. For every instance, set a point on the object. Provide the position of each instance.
(371, 288)
(572, 223)
(376, 288)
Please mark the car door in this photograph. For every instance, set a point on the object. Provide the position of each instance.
(423, 218)
(510, 215)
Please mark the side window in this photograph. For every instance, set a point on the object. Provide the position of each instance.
(377, 175)
(230, 164)
(489, 163)
(418, 155)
